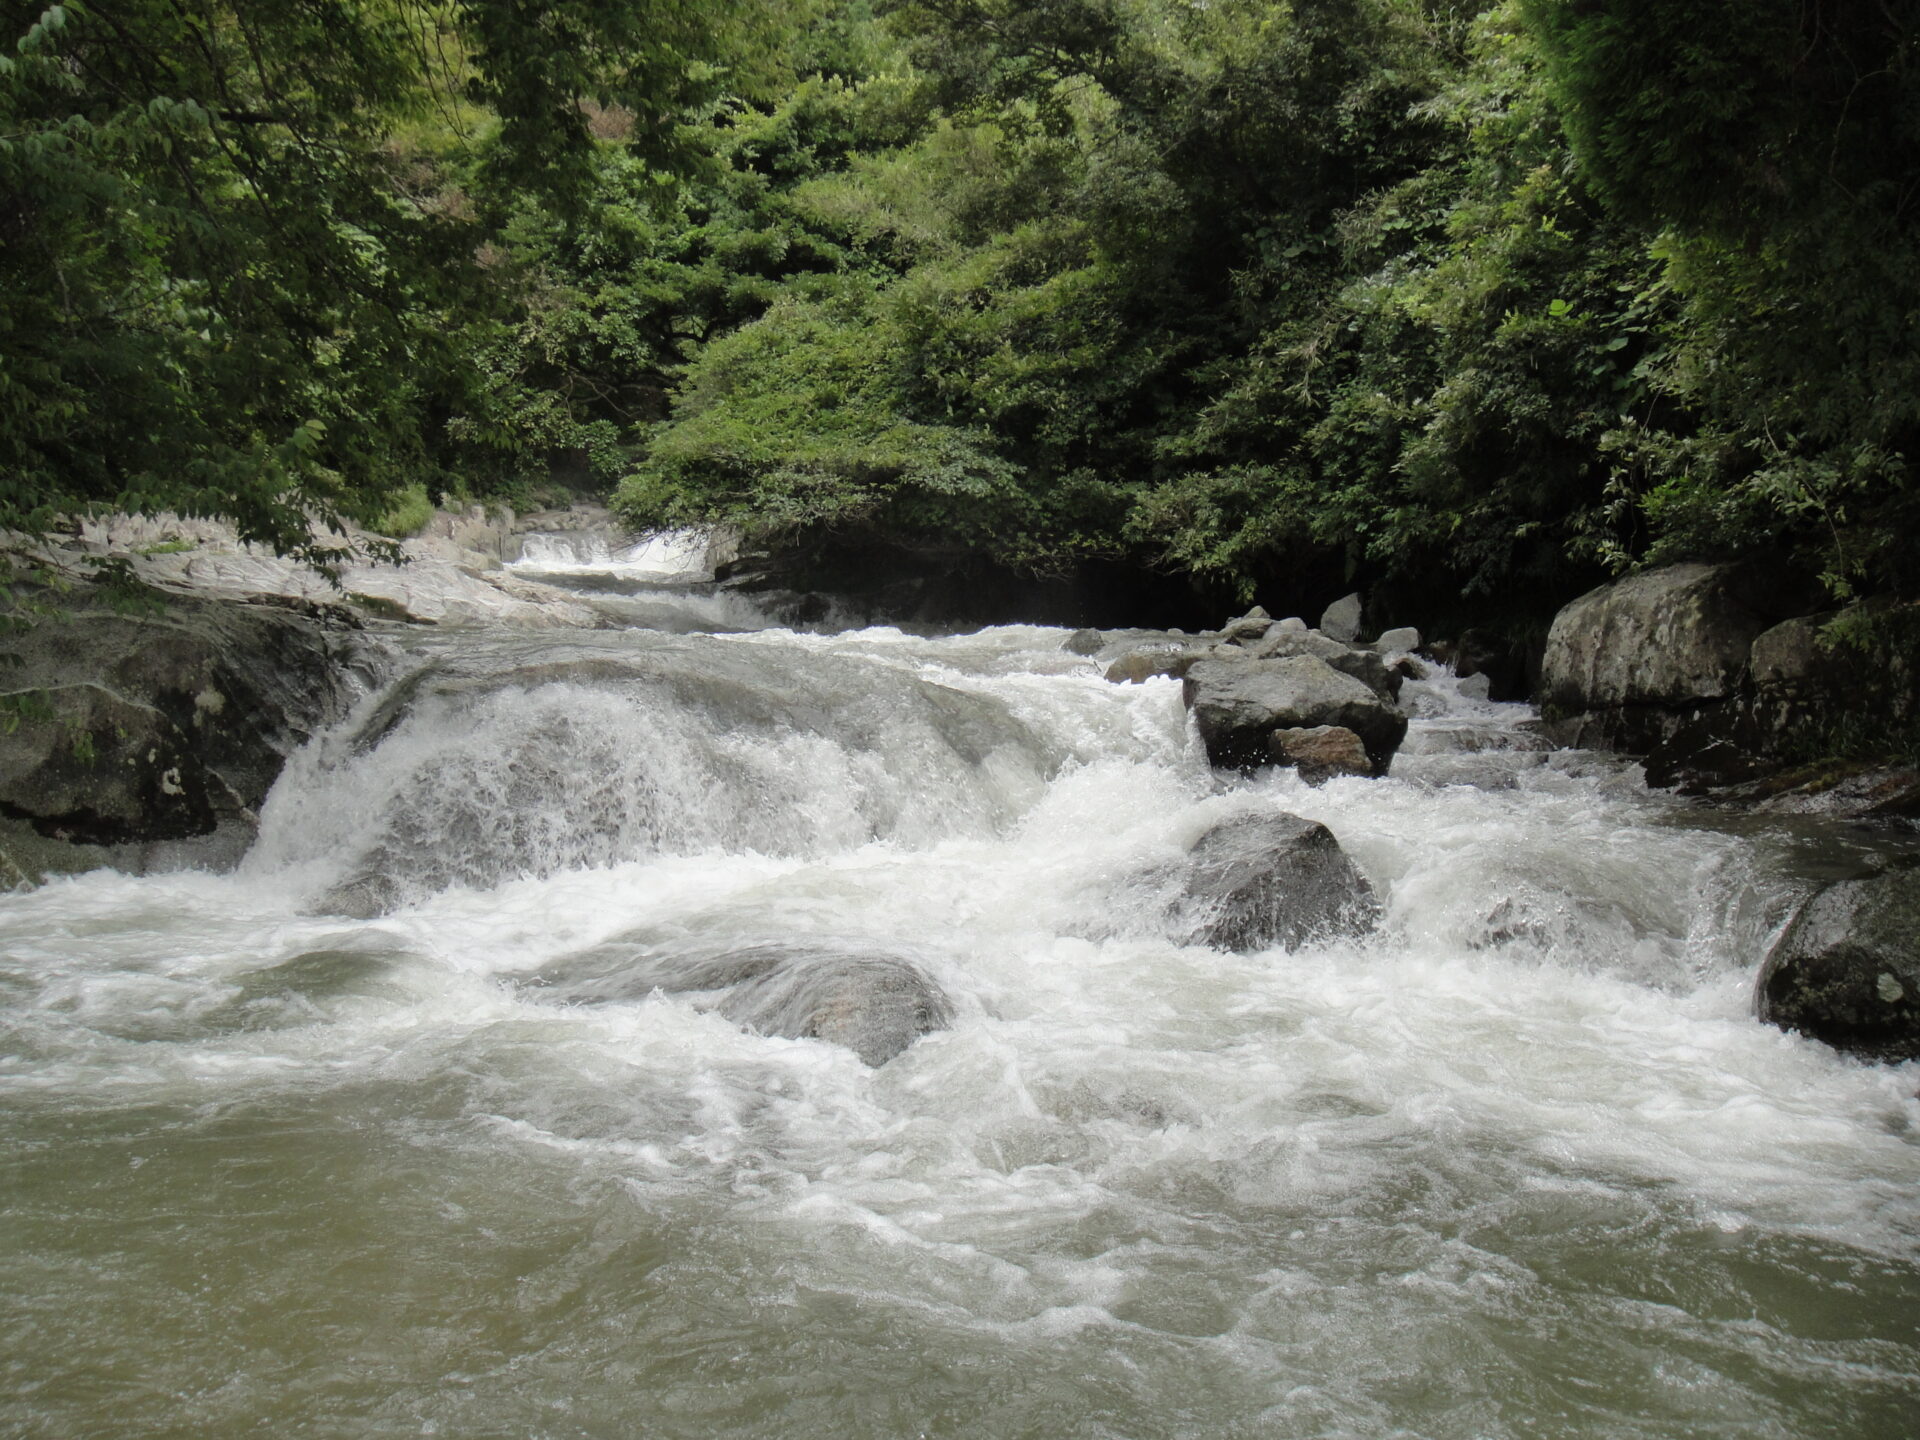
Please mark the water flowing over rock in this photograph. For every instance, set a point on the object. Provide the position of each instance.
(1238, 705)
(172, 721)
(1232, 1128)
(526, 758)
(1263, 880)
(873, 1002)
(1847, 970)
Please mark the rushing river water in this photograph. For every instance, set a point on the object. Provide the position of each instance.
(1519, 1164)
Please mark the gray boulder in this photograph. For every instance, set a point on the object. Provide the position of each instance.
(1366, 666)
(876, 1006)
(1627, 665)
(1341, 619)
(1398, 642)
(1084, 642)
(1238, 705)
(173, 722)
(1245, 630)
(872, 1001)
(1847, 969)
(1264, 880)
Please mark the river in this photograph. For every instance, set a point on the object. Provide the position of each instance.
(1518, 1164)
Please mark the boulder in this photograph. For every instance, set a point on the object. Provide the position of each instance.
(1341, 619)
(1715, 675)
(1083, 642)
(1245, 630)
(876, 1006)
(1363, 665)
(173, 721)
(1275, 879)
(1139, 666)
(1321, 753)
(1847, 968)
(1238, 705)
(1630, 664)
(1667, 637)
(1398, 642)
(872, 1001)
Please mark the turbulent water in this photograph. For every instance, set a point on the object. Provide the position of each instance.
(1520, 1163)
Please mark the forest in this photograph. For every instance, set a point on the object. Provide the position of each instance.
(1475, 307)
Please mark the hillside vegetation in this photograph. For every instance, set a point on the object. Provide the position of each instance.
(1472, 306)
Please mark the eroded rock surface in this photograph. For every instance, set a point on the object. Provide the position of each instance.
(170, 721)
(1847, 969)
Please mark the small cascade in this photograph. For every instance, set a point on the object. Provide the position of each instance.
(777, 1033)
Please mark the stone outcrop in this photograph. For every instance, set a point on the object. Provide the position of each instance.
(1264, 880)
(168, 722)
(1237, 705)
(1708, 672)
(452, 573)
(1847, 968)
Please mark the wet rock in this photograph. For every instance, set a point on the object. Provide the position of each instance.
(1341, 619)
(1858, 791)
(873, 1002)
(1847, 969)
(1140, 666)
(1398, 642)
(875, 1006)
(1668, 637)
(168, 723)
(1321, 753)
(1237, 706)
(1264, 880)
(1363, 665)
(1084, 642)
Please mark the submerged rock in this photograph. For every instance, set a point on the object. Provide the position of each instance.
(1084, 642)
(876, 1006)
(1264, 880)
(1847, 969)
(1238, 705)
(874, 1002)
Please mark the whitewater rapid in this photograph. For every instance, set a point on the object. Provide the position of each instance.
(296, 1150)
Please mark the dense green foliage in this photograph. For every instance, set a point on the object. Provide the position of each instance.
(1474, 305)
(237, 239)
